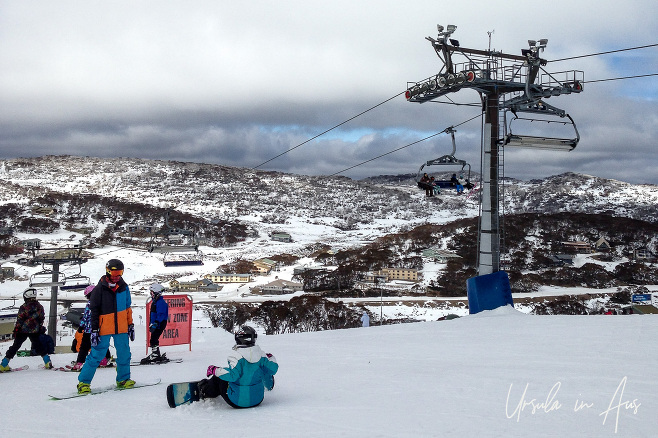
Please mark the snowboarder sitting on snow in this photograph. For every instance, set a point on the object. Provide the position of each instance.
(250, 371)
(29, 324)
(84, 343)
(111, 317)
(158, 322)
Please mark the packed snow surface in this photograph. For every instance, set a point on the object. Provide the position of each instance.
(497, 373)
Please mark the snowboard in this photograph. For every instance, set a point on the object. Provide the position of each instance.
(177, 360)
(24, 367)
(183, 393)
(102, 390)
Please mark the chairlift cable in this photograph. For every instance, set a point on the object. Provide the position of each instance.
(405, 146)
(330, 129)
(621, 78)
(478, 105)
(604, 53)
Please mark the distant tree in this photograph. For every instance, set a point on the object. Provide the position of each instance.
(564, 305)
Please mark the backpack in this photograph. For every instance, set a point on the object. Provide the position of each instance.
(47, 346)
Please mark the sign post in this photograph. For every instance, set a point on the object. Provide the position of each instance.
(179, 323)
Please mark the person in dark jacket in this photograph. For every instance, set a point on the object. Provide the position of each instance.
(111, 318)
(250, 371)
(457, 184)
(29, 324)
(424, 183)
(157, 323)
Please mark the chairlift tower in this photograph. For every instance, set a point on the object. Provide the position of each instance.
(55, 257)
(506, 83)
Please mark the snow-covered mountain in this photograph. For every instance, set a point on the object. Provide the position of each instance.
(215, 191)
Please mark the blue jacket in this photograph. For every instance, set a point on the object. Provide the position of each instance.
(249, 372)
(159, 312)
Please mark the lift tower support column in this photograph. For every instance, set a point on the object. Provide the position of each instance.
(489, 241)
(506, 82)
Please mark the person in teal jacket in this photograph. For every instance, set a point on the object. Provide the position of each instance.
(250, 371)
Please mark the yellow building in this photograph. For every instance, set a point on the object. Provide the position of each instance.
(223, 277)
(408, 274)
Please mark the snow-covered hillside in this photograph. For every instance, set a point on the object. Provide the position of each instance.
(496, 374)
(336, 212)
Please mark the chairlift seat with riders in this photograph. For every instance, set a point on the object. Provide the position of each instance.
(445, 160)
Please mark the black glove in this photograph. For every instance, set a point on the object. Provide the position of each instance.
(95, 338)
(131, 331)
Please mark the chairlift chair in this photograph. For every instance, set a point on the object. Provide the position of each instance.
(13, 304)
(446, 160)
(76, 282)
(45, 279)
(531, 103)
(542, 142)
(194, 259)
(172, 239)
(163, 249)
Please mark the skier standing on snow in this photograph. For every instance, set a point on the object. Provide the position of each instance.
(250, 371)
(111, 317)
(84, 344)
(29, 324)
(158, 322)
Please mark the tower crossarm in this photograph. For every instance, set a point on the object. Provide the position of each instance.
(488, 71)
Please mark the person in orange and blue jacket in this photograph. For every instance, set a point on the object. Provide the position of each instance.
(111, 317)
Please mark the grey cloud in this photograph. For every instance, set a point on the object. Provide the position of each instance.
(239, 83)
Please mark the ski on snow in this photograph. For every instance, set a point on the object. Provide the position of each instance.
(69, 368)
(24, 367)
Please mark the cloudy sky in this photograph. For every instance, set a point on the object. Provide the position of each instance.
(238, 83)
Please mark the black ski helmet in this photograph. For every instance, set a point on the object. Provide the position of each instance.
(245, 337)
(113, 265)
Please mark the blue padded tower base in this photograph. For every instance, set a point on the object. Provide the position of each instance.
(488, 292)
